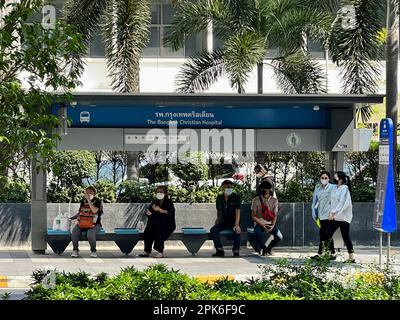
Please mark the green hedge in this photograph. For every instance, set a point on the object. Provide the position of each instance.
(281, 281)
(14, 191)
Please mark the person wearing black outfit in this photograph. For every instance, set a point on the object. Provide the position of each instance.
(160, 223)
(228, 211)
(262, 175)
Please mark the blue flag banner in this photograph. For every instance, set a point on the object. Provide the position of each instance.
(385, 200)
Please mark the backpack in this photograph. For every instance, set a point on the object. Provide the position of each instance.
(267, 214)
(86, 217)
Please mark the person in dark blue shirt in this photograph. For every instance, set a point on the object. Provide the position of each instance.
(228, 212)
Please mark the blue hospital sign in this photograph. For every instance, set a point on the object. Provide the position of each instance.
(385, 202)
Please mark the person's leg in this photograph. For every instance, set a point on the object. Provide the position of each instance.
(278, 236)
(169, 230)
(91, 235)
(345, 230)
(159, 236)
(259, 234)
(148, 239)
(236, 242)
(216, 238)
(76, 232)
(327, 240)
(322, 231)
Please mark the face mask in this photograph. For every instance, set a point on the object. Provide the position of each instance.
(160, 196)
(91, 197)
(228, 191)
(324, 182)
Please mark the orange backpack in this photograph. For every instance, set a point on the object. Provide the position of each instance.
(86, 217)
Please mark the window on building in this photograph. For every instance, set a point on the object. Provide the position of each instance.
(316, 50)
(162, 13)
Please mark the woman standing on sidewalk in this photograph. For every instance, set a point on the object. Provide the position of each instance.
(321, 207)
(341, 213)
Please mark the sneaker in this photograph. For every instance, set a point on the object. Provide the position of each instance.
(350, 261)
(75, 254)
(144, 254)
(93, 255)
(332, 257)
(219, 253)
(316, 257)
(158, 255)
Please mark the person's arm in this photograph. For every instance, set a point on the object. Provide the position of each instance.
(77, 215)
(276, 208)
(342, 200)
(314, 202)
(93, 208)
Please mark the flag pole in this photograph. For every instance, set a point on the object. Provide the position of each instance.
(388, 249)
(380, 248)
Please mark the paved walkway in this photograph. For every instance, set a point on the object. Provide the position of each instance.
(16, 266)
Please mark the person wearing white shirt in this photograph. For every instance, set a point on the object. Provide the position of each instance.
(341, 213)
(321, 207)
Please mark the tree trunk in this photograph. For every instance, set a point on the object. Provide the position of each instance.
(392, 56)
(132, 164)
(260, 67)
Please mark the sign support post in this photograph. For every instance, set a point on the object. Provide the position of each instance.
(385, 202)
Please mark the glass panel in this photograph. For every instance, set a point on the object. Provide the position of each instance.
(217, 42)
(155, 11)
(153, 47)
(316, 50)
(167, 51)
(194, 44)
(272, 52)
(167, 12)
(97, 49)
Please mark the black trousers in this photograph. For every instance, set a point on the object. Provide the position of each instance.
(322, 231)
(344, 229)
(154, 233)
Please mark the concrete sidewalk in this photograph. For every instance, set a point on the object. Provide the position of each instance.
(16, 266)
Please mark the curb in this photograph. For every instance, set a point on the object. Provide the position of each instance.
(212, 278)
(15, 282)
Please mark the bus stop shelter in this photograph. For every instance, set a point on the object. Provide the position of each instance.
(207, 122)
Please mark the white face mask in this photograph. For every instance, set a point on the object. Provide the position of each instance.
(228, 191)
(160, 195)
(91, 197)
(324, 182)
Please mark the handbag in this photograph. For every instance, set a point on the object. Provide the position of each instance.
(268, 215)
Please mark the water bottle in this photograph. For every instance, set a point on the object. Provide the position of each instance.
(58, 222)
(140, 226)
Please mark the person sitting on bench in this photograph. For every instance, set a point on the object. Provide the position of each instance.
(228, 211)
(160, 223)
(89, 216)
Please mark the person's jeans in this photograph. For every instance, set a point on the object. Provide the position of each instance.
(91, 236)
(344, 229)
(259, 233)
(217, 239)
(322, 231)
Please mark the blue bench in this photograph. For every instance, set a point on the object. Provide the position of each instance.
(127, 238)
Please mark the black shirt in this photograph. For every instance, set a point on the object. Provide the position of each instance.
(97, 203)
(163, 218)
(227, 209)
